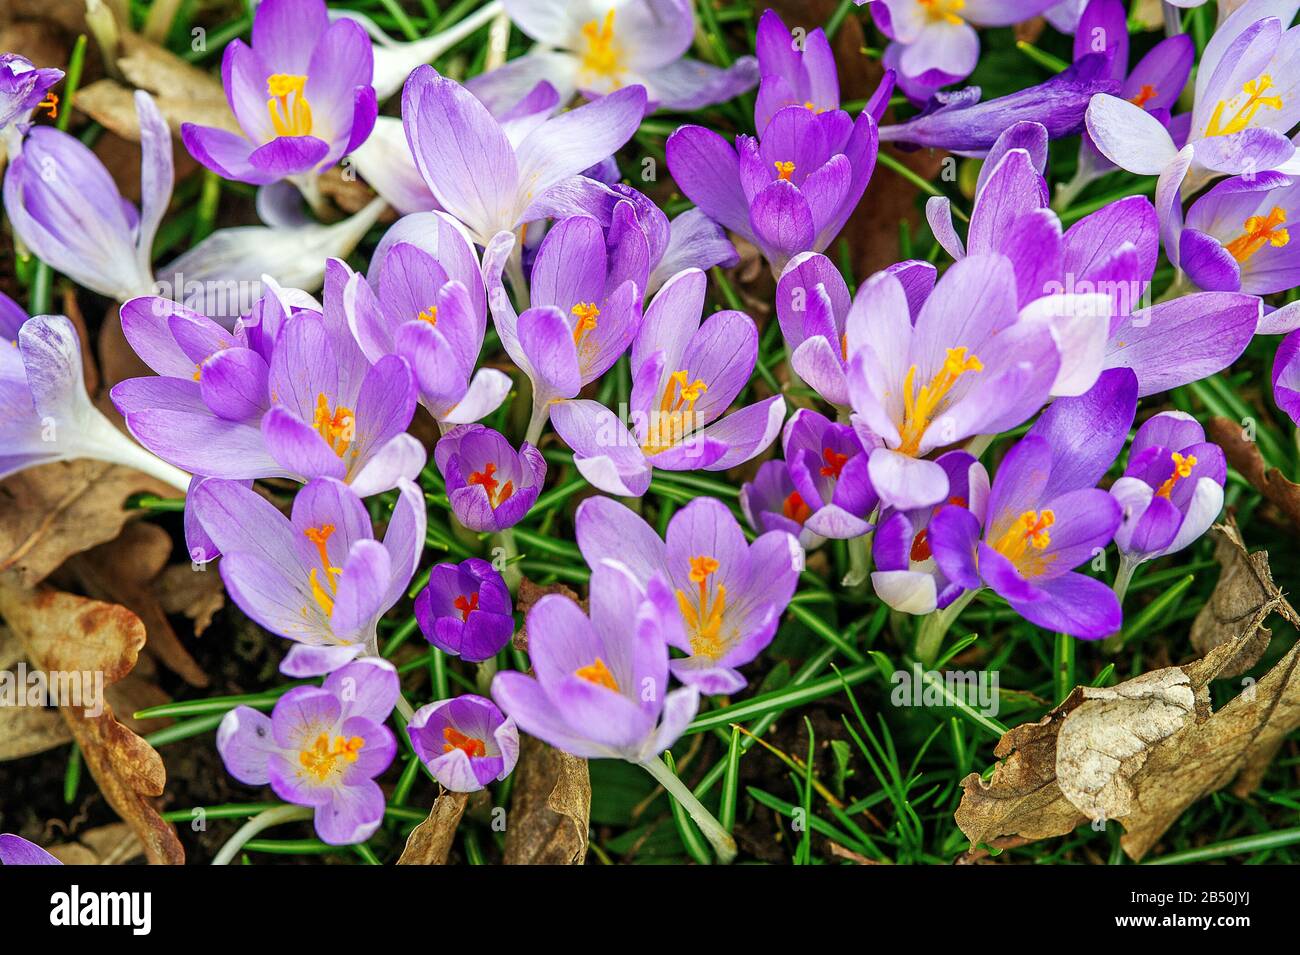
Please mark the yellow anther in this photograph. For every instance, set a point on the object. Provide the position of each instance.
(921, 407)
(586, 314)
(603, 55)
(1182, 469)
(429, 315)
(1259, 231)
(784, 170)
(337, 427)
(320, 758)
(288, 107)
(704, 617)
(943, 11)
(598, 674)
(1245, 114)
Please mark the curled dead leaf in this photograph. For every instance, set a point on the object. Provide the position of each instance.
(550, 811)
(430, 841)
(1243, 599)
(529, 594)
(113, 844)
(64, 633)
(1244, 456)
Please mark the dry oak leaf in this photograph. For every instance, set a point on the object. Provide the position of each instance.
(64, 633)
(122, 571)
(550, 811)
(430, 841)
(50, 512)
(1143, 751)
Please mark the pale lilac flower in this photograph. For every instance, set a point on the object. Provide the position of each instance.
(317, 577)
(794, 72)
(597, 47)
(465, 742)
(321, 747)
(684, 377)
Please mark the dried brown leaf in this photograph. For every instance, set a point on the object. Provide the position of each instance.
(430, 841)
(50, 512)
(195, 594)
(1243, 599)
(1244, 456)
(62, 632)
(550, 811)
(114, 844)
(1143, 751)
(529, 593)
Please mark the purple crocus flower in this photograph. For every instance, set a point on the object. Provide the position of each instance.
(45, 413)
(492, 182)
(465, 610)
(490, 484)
(1286, 376)
(967, 366)
(22, 87)
(586, 308)
(794, 72)
(960, 123)
(813, 308)
(1236, 236)
(600, 46)
(15, 850)
(301, 95)
(1154, 83)
(66, 208)
(907, 577)
(789, 191)
(601, 684)
(1172, 489)
(286, 394)
(465, 742)
(684, 376)
(1044, 515)
(934, 43)
(1246, 102)
(730, 594)
(317, 577)
(429, 308)
(322, 747)
(771, 502)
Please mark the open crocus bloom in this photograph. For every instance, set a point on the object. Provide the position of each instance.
(66, 208)
(586, 307)
(828, 466)
(730, 594)
(1172, 489)
(1044, 515)
(1237, 237)
(684, 376)
(493, 177)
(301, 94)
(793, 72)
(317, 577)
(813, 307)
(429, 309)
(491, 485)
(283, 395)
(934, 42)
(600, 46)
(966, 367)
(771, 502)
(907, 577)
(466, 742)
(1247, 100)
(45, 413)
(466, 610)
(789, 191)
(601, 689)
(322, 747)
(15, 850)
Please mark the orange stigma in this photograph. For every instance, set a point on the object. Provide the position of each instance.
(1182, 469)
(921, 407)
(1144, 95)
(324, 597)
(466, 605)
(429, 315)
(497, 493)
(1259, 231)
(598, 674)
(1245, 114)
(704, 617)
(586, 313)
(319, 759)
(337, 427)
(795, 509)
(834, 463)
(468, 745)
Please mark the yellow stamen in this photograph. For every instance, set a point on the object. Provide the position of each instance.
(429, 315)
(1259, 231)
(1182, 469)
(337, 427)
(320, 758)
(586, 313)
(324, 598)
(288, 107)
(1028, 530)
(920, 408)
(943, 11)
(1245, 114)
(676, 415)
(598, 674)
(784, 170)
(603, 55)
(704, 619)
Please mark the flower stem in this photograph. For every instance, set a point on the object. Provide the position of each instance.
(929, 637)
(537, 423)
(859, 562)
(1067, 192)
(723, 844)
(1123, 577)
(263, 820)
(515, 272)
(483, 677)
(122, 450)
(509, 570)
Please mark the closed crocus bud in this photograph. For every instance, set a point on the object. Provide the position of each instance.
(466, 742)
(490, 484)
(465, 610)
